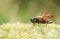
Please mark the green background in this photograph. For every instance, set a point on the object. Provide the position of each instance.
(23, 10)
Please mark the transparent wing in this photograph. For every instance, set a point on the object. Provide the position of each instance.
(44, 12)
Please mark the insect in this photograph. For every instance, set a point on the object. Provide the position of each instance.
(44, 18)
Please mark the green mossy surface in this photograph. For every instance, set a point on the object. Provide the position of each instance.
(28, 31)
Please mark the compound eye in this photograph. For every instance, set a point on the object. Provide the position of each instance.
(34, 19)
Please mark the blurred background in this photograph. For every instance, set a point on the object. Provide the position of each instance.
(23, 10)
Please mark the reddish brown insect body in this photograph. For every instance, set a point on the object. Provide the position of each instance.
(44, 18)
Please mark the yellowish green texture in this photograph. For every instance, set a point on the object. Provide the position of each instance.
(28, 31)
